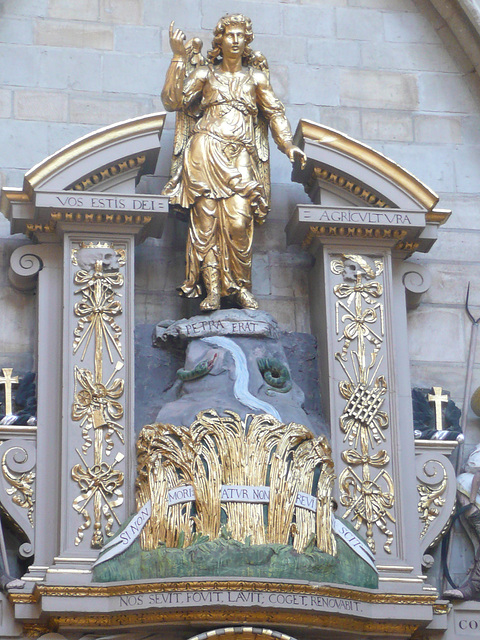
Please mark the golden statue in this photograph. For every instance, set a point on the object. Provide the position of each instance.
(220, 169)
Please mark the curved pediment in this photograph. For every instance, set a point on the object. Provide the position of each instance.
(106, 161)
(103, 148)
(357, 191)
(361, 175)
(93, 154)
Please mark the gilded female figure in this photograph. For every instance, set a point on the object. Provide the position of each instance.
(221, 173)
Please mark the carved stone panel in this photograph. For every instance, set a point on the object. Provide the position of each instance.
(98, 404)
(436, 486)
(362, 402)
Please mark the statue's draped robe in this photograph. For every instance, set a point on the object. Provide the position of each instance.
(219, 178)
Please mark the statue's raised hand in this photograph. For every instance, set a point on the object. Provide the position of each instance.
(177, 41)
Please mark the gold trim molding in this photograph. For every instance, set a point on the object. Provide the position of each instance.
(109, 218)
(35, 629)
(109, 590)
(109, 172)
(23, 598)
(365, 155)
(441, 608)
(338, 621)
(32, 228)
(377, 233)
(213, 616)
(356, 189)
(15, 194)
(408, 247)
(439, 216)
(82, 217)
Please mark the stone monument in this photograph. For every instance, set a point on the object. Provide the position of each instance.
(233, 504)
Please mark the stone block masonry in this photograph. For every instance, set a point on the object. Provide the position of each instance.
(61, 33)
(41, 105)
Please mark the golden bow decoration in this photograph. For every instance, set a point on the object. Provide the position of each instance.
(352, 329)
(367, 290)
(99, 478)
(89, 280)
(354, 458)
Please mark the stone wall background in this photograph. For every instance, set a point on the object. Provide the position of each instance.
(388, 72)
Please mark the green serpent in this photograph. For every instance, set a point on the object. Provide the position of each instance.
(200, 370)
(275, 374)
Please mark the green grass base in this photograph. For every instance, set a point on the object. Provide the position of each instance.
(232, 559)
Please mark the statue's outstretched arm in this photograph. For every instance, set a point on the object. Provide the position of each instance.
(274, 112)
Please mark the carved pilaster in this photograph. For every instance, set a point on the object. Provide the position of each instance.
(355, 314)
(365, 483)
(368, 215)
(83, 199)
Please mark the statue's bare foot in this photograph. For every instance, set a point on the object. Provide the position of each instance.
(211, 302)
(246, 300)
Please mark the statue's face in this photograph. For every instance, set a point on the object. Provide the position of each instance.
(233, 41)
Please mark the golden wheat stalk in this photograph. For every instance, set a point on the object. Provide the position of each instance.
(208, 437)
(326, 541)
(305, 461)
(218, 451)
(283, 486)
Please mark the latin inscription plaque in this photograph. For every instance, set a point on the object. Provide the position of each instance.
(308, 602)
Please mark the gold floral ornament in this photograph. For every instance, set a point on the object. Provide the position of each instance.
(431, 500)
(367, 494)
(95, 405)
(216, 453)
(99, 480)
(356, 291)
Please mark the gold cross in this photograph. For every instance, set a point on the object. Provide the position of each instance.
(8, 381)
(438, 399)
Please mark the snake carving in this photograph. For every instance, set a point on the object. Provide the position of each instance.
(275, 374)
(200, 370)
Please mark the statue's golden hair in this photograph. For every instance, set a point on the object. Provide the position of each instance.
(215, 54)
